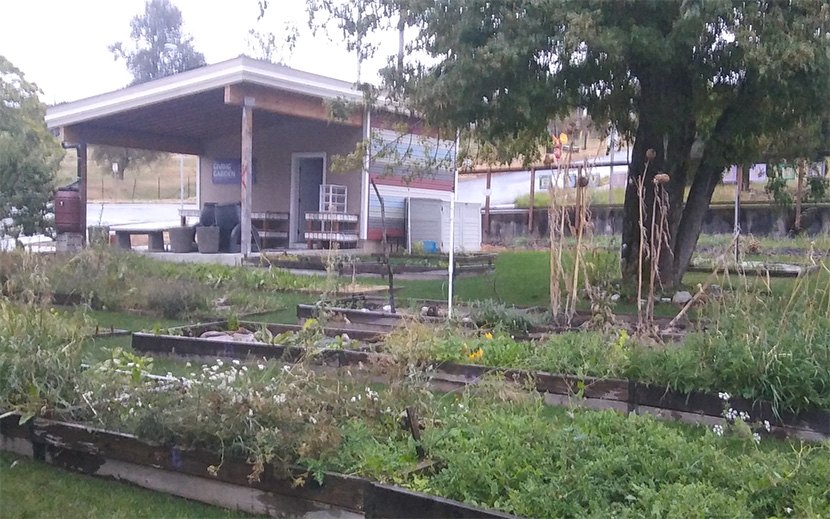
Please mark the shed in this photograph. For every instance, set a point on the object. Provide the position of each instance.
(265, 139)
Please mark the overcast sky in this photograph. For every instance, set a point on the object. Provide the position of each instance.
(62, 45)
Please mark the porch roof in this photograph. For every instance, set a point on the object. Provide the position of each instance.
(179, 112)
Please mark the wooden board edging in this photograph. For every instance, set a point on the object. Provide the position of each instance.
(92, 451)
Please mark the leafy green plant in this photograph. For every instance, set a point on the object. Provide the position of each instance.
(493, 314)
(40, 356)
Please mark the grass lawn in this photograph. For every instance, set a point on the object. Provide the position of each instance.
(30, 489)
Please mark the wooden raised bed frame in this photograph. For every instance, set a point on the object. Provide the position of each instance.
(559, 390)
(185, 473)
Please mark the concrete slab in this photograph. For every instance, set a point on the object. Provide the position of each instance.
(220, 258)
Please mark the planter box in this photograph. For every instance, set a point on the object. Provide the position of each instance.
(182, 239)
(185, 473)
(557, 389)
(207, 239)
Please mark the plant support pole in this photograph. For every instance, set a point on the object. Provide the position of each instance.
(384, 244)
(451, 266)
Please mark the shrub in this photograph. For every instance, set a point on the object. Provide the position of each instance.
(175, 299)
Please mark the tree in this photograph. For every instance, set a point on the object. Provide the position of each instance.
(106, 156)
(693, 83)
(160, 48)
(29, 155)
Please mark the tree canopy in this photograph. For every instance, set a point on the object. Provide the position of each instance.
(29, 155)
(160, 47)
(700, 82)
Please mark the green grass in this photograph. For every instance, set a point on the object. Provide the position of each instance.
(30, 489)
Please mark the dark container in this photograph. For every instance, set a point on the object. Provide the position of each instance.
(228, 216)
(68, 211)
(208, 216)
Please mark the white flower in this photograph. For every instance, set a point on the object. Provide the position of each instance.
(767, 425)
(744, 416)
(788, 510)
(187, 364)
(250, 412)
(280, 399)
(312, 419)
(723, 395)
(261, 367)
(286, 368)
(219, 362)
(756, 437)
(235, 362)
(718, 429)
(245, 368)
(352, 399)
(214, 368)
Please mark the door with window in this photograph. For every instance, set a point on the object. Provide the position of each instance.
(310, 175)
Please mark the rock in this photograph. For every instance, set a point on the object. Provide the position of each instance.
(424, 311)
(681, 298)
(615, 298)
(213, 333)
(387, 308)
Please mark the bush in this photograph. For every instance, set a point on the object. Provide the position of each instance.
(175, 299)
(493, 314)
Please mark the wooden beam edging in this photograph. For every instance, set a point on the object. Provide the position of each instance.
(168, 469)
(622, 394)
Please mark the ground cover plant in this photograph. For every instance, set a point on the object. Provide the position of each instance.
(104, 278)
(542, 462)
(753, 340)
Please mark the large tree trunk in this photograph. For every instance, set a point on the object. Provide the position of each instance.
(672, 150)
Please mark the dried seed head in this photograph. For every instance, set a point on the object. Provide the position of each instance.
(583, 181)
(661, 178)
(651, 154)
(549, 159)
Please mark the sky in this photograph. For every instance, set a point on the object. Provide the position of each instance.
(62, 45)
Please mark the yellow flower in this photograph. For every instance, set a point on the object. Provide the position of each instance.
(488, 335)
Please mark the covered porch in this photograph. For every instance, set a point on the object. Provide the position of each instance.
(264, 139)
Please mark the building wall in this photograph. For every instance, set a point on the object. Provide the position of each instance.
(272, 150)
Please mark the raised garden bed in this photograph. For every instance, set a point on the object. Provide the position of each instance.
(185, 473)
(368, 316)
(465, 264)
(758, 268)
(557, 389)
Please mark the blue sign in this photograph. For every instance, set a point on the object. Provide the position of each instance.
(229, 171)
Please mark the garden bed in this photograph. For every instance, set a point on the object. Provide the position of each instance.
(558, 389)
(185, 473)
(465, 264)
(367, 316)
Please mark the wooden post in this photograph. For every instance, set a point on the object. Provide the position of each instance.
(246, 180)
(736, 227)
(487, 203)
(82, 173)
(799, 193)
(532, 201)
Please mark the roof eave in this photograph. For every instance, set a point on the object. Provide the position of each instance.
(237, 70)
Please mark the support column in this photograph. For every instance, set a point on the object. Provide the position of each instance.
(532, 201)
(82, 187)
(487, 193)
(246, 180)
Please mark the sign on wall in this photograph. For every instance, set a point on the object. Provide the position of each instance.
(229, 171)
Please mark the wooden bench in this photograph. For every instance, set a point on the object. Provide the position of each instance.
(155, 234)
